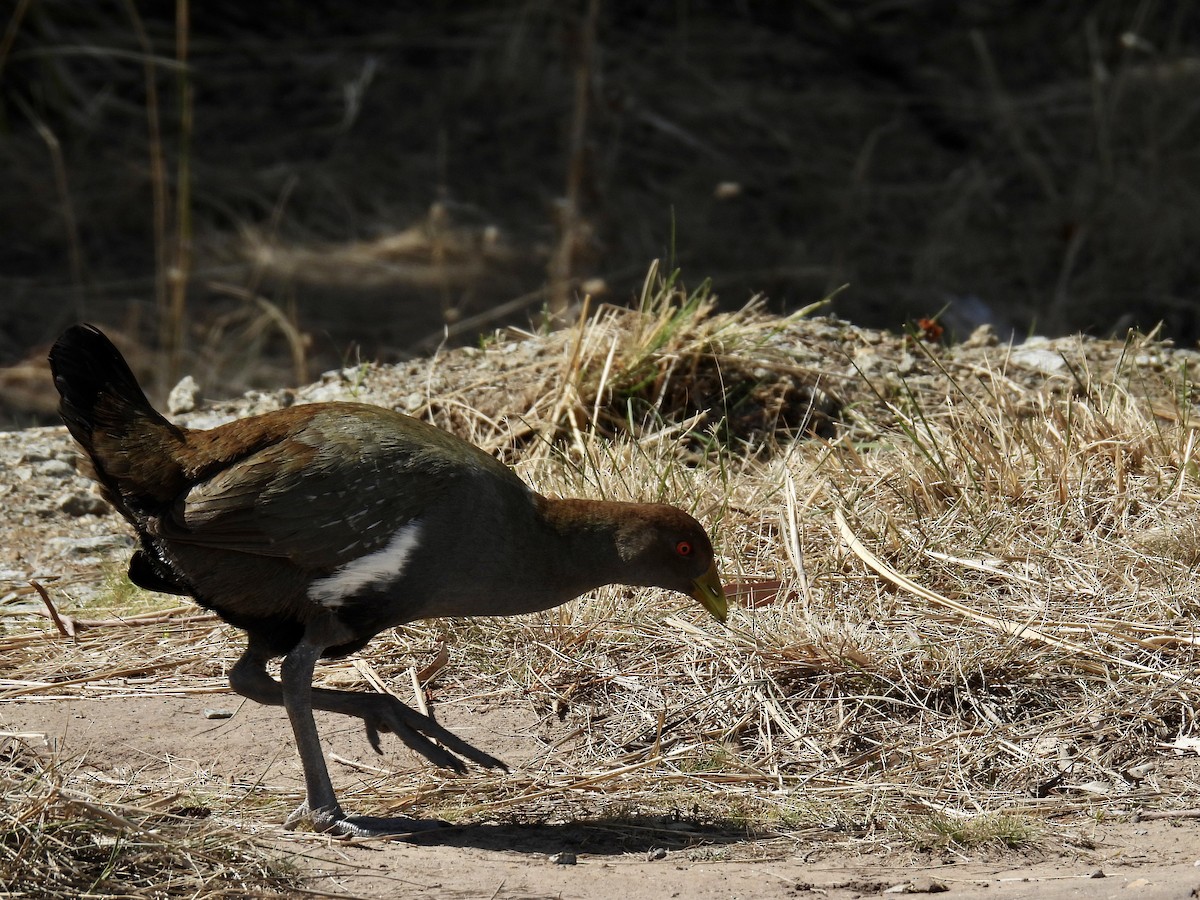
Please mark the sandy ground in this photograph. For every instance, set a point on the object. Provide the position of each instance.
(143, 740)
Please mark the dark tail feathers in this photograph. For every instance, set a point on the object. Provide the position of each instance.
(97, 387)
(129, 443)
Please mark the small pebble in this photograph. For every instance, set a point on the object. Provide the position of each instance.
(1048, 362)
(1139, 772)
(54, 468)
(82, 504)
(218, 714)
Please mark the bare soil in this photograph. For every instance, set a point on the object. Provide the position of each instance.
(144, 741)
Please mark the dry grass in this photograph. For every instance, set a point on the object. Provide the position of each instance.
(59, 838)
(968, 615)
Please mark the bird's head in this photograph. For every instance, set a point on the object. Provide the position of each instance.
(662, 546)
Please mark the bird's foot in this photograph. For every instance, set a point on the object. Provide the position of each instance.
(336, 823)
(382, 713)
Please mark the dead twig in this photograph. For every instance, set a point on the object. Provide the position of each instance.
(64, 625)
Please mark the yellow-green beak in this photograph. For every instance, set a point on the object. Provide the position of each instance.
(708, 591)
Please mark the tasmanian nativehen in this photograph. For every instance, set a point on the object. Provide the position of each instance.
(316, 527)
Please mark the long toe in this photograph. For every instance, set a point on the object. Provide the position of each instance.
(414, 740)
(383, 713)
(327, 820)
(398, 712)
(397, 827)
(336, 823)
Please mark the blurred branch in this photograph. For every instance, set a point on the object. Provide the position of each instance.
(1006, 114)
(74, 245)
(182, 261)
(561, 263)
(10, 33)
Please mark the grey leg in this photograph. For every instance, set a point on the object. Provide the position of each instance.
(380, 712)
(296, 676)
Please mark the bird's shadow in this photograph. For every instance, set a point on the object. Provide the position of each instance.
(595, 837)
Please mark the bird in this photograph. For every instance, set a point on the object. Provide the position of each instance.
(315, 527)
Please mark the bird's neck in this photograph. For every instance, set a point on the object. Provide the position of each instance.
(584, 525)
(568, 548)
(589, 539)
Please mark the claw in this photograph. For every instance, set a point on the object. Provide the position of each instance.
(413, 722)
(373, 736)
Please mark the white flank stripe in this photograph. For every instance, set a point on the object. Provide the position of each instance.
(383, 565)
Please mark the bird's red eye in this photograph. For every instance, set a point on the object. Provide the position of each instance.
(684, 548)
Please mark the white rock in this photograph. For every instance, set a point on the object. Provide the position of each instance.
(1048, 361)
(183, 396)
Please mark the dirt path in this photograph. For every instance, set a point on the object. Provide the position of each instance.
(151, 743)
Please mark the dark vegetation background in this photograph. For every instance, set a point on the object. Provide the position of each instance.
(257, 191)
